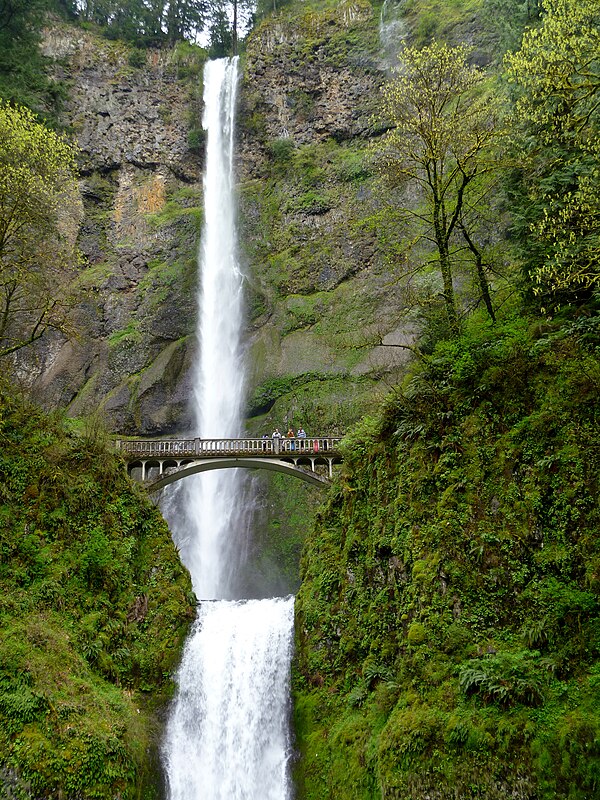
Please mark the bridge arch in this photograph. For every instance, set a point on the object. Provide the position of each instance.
(195, 467)
(159, 462)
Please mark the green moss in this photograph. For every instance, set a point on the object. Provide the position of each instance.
(337, 33)
(281, 150)
(319, 403)
(447, 617)
(183, 207)
(94, 606)
(126, 336)
(189, 60)
(439, 19)
(94, 277)
(416, 634)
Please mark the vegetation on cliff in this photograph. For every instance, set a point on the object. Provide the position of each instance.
(449, 610)
(94, 604)
(448, 615)
(40, 212)
(449, 606)
(23, 75)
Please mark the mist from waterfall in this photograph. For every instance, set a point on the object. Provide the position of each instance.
(227, 736)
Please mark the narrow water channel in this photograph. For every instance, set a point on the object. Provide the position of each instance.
(227, 736)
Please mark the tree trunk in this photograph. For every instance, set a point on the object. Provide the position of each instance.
(484, 286)
(445, 268)
(234, 39)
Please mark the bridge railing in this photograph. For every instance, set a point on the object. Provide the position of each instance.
(217, 448)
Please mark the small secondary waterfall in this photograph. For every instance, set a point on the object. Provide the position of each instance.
(392, 33)
(227, 737)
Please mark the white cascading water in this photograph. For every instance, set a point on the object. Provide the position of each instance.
(392, 33)
(227, 736)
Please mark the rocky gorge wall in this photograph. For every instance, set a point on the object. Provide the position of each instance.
(321, 292)
(324, 294)
(329, 290)
(329, 306)
(130, 113)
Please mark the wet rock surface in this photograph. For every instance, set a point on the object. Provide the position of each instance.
(321, 298)
(140, 184)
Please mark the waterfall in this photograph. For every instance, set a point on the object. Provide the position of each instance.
(227, 735)
(233, 724)
(392, 33)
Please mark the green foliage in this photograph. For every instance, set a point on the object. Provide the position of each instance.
(137, 58)
(558, 82)
(281, 150)
(94, 606)
(189, 59)
(145, 24)
(427, 20)
(23, 78)
(507, 19)
(196, 140)
(443, 128)
(448, 613)
(39, 216)
(505, 678)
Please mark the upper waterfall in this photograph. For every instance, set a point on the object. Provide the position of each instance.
(228, 733)
(209, 549)
(220, 380)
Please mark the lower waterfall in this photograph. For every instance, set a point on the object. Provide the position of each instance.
(227, 735)
(229, 731)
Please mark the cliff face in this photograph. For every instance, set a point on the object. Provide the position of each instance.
(447, 620)
(131, 355)
(328, 298)
(94, 606)
(322, 294)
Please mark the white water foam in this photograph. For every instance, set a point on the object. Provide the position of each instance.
(242, 652)
(228, 735)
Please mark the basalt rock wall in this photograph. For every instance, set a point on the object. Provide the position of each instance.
(324, 296)
(320, 298)
(130, 113)
(328, 304)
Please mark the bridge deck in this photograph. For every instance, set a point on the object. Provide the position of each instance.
(143, 449)
(163, 461)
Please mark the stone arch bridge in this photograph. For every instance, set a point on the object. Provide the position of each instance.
(159, 462)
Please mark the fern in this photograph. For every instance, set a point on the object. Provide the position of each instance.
(506, 679)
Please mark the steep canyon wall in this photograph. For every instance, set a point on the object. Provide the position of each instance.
(140, 184)
(322, 290)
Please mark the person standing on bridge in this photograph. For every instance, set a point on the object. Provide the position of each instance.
(302, 436)
(276, 436)
(291, 435)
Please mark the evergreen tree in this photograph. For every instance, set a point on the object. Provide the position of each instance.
(22, 68)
